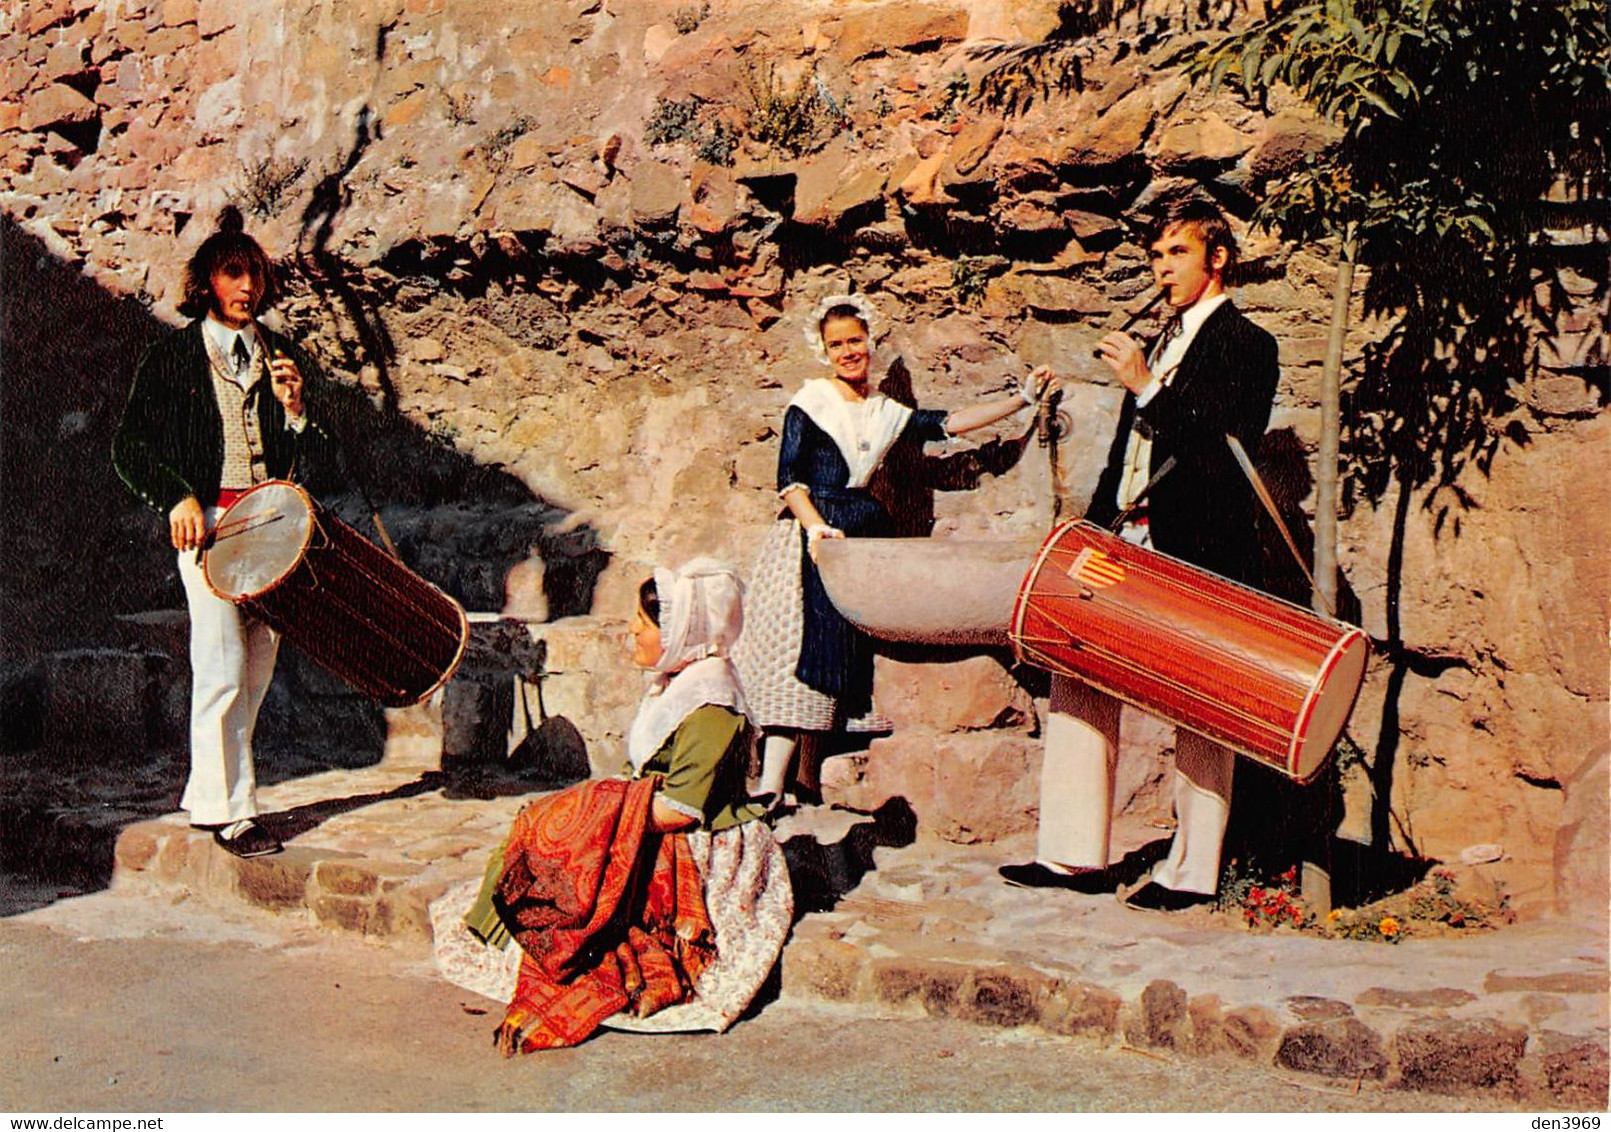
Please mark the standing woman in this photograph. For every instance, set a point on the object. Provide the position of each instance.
(805, 669)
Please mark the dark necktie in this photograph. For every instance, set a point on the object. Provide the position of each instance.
(1172, 330)
(242, 356)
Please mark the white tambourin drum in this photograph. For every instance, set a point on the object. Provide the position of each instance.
(341, 600)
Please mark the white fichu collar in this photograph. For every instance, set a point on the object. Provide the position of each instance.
(701, 616)
(862, 431)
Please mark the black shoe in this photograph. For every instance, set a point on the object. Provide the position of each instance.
(253, 841)
(1153, 897)
(1036, 875)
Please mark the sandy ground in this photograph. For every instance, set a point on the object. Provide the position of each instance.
(111, 1003)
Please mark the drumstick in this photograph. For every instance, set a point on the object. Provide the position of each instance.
(1135, 318)
(241, 526)
(1263, 492)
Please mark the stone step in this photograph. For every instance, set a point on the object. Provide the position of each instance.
(898, 923)
(365, 852)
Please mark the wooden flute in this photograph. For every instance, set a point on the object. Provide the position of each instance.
(1145, 310)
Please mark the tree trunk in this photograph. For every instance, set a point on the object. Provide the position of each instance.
(1324, 598)
(1316, 880)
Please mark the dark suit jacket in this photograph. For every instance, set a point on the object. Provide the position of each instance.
(171, 442)
(1204, 511)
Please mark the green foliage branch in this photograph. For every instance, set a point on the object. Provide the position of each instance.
(1455, 120)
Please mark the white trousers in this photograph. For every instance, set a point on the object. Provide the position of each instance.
(1076, 791)
(231, 665)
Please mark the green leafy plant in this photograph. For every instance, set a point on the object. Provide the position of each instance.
(1455, 120)
(794, 118)
(498, 143)
(266, 185)
(688, 18)
(672, 120)
(970, 276)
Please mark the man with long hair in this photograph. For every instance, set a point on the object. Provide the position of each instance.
(217, 407)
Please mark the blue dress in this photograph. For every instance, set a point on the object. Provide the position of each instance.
(835, 657)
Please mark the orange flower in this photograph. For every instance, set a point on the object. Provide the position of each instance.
(1388, 927)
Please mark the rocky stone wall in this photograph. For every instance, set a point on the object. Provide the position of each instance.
(556, 258)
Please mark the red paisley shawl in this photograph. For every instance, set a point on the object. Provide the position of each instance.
(602, 925)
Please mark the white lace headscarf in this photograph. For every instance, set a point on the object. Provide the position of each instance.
(864, 311)
(701, 617)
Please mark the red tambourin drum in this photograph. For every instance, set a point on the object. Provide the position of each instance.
(341, 600)
(1266, 678)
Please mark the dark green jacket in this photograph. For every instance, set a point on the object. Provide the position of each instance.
(171, 442)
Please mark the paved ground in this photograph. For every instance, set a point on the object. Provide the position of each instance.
(896, 925)
(119, 1003)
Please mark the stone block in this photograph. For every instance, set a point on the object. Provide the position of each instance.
(1004, 996)
(1561, 982)
(827, 968)
(657, 193)
(967, 788)
(910, 26)
(1574, 1070)
(176, 13)
(173, 858)
(966, 695)
(1081, 1010)
(404, 915)
(1205, 1032)
(1252, 1032)
(65, 60)
(1049, 294)
(1314, 1008)
(215, 16)
(1443, 1055)
(834, 184)
(965, 158)
(166, 40)
(1187, 144)
(408, 110)
(136, 849)
(57, 105)
(1104, 139)
(345, 913)
(1438, 998)
(341, 879)
(1290, 139)
(937, 987)
(1337, 1047)
(276, 883)
(1159, 1017)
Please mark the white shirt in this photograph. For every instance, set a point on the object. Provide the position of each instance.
(223, 339)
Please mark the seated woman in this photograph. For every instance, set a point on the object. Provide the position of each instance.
(651, 901)
(808, 671)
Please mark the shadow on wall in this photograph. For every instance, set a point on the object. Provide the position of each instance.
(94, 679)
(909, 478)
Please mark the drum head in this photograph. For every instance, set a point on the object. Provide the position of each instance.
(260, 540)
(1326, 711)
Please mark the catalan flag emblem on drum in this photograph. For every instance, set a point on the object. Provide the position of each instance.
(1093, 568)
